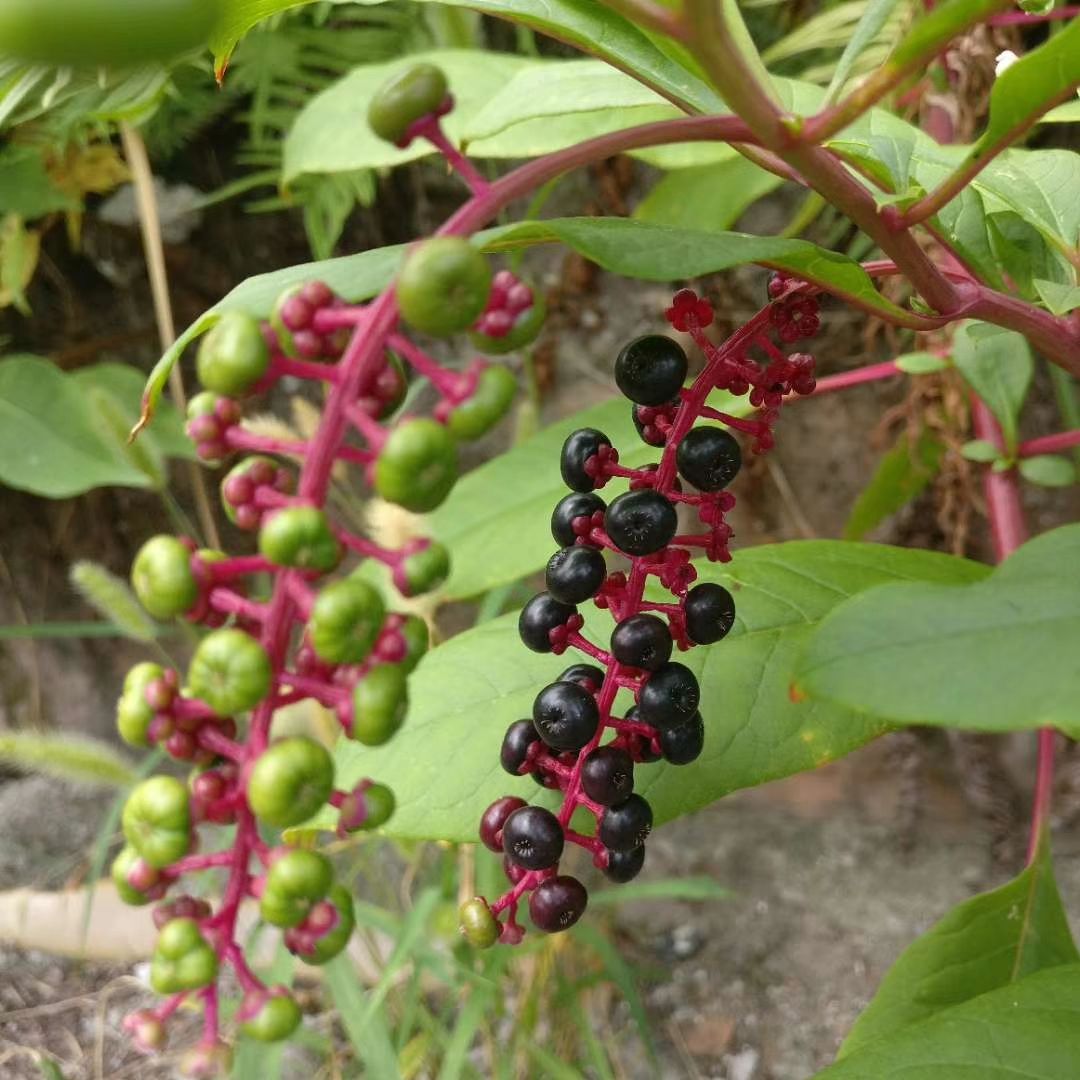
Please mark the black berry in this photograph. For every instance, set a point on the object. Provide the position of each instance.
(624, 866)
(579, 447)
(626, 825)
(491, 824)
(519, 736)
(542, 614)
(587, 675)
(651, 369)
(557, 904)
(574, 574)
(565, 715)
(683, 743)
(709, 458)
(533, 838)
(710, 613)
(607, 775)
(640, 522)
(642, 641)
(671, 696)
(570, 508)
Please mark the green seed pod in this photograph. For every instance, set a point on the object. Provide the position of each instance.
(380, 702)
(417, 465)
(345, 621)
(232, 356)
(122, 865)
(490, 402)
(202, 404)
(301, 537)
(424, 570)
(443, 286)
(183, 959)
(133, 714)
(157, 821)
(295, 881)
(477, 924)
(277, 1018)
(290, 781)
(404, 98)
(230, 671)
(162, 579)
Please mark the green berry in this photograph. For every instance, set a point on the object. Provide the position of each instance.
(183, 959)
(230, 671)
(122, 865)
(380, 701)
(157, 820)
(277, 1018)
(406, 97)
(162, 578)
(295, 881)
(345, 621)
(479, 927)
(417, 465)
(380, 803)
(489, 403)
(202, 404)
(283, 333)
(233, 356)
(301, 537)
(443, 286)
(524, 332)
(423, 570)
(133, 713)
(417, 637)
(290, 781)
(331, 944)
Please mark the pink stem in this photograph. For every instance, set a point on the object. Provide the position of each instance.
(211, 738)
(239, 566)
(430, 129)
(368, 549)
(327, 320)
(303, 369)
(231, 603)
(444, 381)
(238, 438)
(191, 864)
(1021, 18)
(1049, 444)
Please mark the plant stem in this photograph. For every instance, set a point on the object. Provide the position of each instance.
(1049, 444)
(655, 17)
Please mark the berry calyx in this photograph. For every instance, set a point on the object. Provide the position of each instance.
(557, 903)
(443, 286)
(418, 91)
(642, 641)
(162, 577)
(565, 716)
(233, 356)
(230, 671)
(241, 486)
(533, 838)
(327, 930)
(575, 574)
(290, 781)
(641, 522)
(709, 458)
(513, 318)
(417, 465)
(650, 370)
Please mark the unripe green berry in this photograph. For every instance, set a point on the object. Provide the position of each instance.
(277, 1018)
(230, 671)
(300, 537)
(489, 403)
(183, 959)
(162, 579)
(380, 702)
(295, 881)
(232, 356)
(406, 97)
(417, 465)
(380, 803)
(423, 570)
(157, 820)
(122, 865)
(345, 621)
(417, 637)
(479, 927)
(290, 781)
(133, 713)
(443, 286)
(330, 945)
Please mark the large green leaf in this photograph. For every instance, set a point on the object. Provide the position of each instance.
(467, 691)
(236, 19)
(1029, 1030)
(992, 656)
(998, 366)
(989, 941)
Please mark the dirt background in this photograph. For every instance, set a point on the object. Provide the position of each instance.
(832, 873)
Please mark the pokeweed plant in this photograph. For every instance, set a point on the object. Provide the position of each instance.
(955, 226)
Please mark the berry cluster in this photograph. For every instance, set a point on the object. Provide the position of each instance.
(564, 745)
(312, 636)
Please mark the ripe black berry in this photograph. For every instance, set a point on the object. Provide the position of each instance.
(671, 696)
(651, 369)
(640, 522)
(709, 458)
(519, 736)
(683, 743)
(542, 614)
(574, 574)
(607, 775)
(710, 613)
(491, 824)
(642, 641)
(533, 838)
(565, 715)
(578, 504)
(587, 675)
(626, 825)
(557, 903)
(578, 448)
(624, 866)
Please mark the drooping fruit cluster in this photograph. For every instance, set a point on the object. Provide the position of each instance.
(323, 632)
(578, 740)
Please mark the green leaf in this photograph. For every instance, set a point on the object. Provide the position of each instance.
(998, 366)
(989, 941)
(874, 17)
(1048, 470)
(469, 689)
(1029, 1030)
(981, 450)
(921, 363)
(26, 188)
(1069, 113)
(901, 475)
(237, 18)
(982, 657)
(1059, 299)
(371, 1039)
(113, 598)
(710, 197)
(692, 888)
(68, 756)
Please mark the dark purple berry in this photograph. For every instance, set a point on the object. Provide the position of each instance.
(558, 903)
(491, 824)
(640, 522)
(710, 613)
(533, 838)
(519, 736)
(607, 775)
(626, 825)
(624, 866)
(566, 715)
(542, 614)
(709, 458)
(578, 504)
(683, 743)
(642, 641)
(587, 675)
(670, 697)
(579, 447)
(575, 574)
(651, 369)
